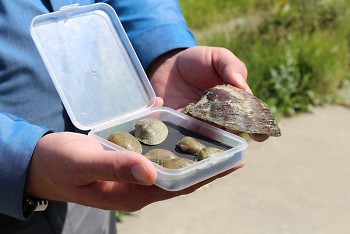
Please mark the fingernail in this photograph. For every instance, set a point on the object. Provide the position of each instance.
(238, 76)
(242, 82)
(140, 173)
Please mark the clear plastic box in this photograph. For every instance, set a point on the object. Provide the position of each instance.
(105, 89)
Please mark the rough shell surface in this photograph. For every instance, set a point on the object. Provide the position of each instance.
(208, 152)
(190, 145)
(234, 109)
(160, 156)
(151, 131)
(126, 140)
(177, 163)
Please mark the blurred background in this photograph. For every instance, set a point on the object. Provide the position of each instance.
(297, 52)
(298, 59)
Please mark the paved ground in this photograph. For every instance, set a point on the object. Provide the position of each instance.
(297, 183)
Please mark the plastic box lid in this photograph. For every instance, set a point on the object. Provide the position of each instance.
(92, 64)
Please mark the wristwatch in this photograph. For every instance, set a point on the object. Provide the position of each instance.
(31, 204)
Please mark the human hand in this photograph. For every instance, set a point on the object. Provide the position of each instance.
(74, 167)
(181, 76)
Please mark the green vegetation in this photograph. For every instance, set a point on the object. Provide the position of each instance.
(297, 52)
(203, 13)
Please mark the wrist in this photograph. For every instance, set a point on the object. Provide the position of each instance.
(35, 174)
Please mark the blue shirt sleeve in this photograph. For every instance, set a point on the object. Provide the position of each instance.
(18, 139)
(154, 27)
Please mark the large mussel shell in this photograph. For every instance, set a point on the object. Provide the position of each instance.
(234, 109)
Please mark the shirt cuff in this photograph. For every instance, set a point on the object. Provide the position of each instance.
(18, 140)
(157, 41)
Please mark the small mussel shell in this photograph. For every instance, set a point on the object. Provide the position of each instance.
(151, 131)
(208, 152)
(190, 145)
(177, 163)
(160, 156)
(126, 140)
(234, 109)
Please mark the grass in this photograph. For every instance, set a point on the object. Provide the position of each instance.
(297, 52)
(201, 14)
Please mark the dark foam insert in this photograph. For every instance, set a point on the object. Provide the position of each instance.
(176, 133)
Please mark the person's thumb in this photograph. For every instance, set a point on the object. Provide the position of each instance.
(124, 166)
(159, 102)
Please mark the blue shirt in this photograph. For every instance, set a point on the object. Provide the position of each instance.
(29, 103)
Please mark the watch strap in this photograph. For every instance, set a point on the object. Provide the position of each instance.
(34, 204)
